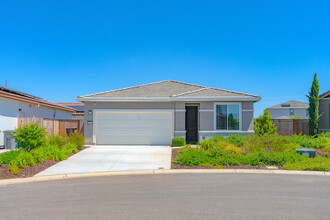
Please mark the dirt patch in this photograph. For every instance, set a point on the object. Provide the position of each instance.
(29, 171)
(242, 166)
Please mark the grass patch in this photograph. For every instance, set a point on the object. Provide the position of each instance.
(178, 141)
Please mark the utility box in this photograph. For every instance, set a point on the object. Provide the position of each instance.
(9, 140)
(306, 152)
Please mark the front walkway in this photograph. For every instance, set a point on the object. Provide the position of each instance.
(113, 158)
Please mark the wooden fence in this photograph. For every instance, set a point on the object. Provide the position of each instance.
(55, 126)
(291, 126)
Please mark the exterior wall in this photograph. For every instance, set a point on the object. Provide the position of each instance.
(325, 118)
(299, 112)
(9, 114)
(206, 116)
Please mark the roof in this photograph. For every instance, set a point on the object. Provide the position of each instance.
(169, 90)
(78, 106)
(7, 92)
(291, 104)
(325, 95)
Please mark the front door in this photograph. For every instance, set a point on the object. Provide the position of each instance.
(191, 124)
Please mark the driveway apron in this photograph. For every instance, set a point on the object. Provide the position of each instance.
(113, 158)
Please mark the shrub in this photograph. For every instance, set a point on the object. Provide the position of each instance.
(221, 143)
(57, 139)
(23, 160)
(237, 140)
(254, 144)
(309, 141)
(78, 139)
(178, 141)
(6, 157)
(192, 156)
(264, 124)
(312, 164)
(30, 136)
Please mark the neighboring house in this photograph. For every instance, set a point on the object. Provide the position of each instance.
(78, 106)
(325, 109)
(289, 110)
(154, 113)
(16, 105)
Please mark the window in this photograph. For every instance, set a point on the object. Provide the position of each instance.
(227, 117)
(291, 111)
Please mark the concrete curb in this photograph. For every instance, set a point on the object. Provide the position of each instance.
(174, 171)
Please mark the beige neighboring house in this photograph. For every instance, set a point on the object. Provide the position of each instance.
(288, 110)
(154, 113)
(325, 109)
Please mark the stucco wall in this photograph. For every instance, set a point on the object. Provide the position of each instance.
(325, 118)
(9, 113)
(206, 116)
(299, 112)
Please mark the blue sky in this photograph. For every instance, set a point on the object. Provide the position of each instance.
(62, 49)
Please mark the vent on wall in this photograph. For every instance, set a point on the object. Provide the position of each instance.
(285, 105)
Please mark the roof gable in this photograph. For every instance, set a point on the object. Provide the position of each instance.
(167, 90)
(291, 104)
(325, 95)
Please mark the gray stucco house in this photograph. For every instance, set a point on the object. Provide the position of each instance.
(325, 109)
(289, 109)
(154, 113)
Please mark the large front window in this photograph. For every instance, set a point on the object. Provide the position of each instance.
(227, 117)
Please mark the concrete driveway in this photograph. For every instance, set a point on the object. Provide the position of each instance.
(113, 158)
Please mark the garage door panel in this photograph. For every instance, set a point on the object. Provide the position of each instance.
(152, 127)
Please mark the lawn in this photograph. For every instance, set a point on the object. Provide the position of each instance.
(255, 151)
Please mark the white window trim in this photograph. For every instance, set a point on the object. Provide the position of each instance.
(227, 103)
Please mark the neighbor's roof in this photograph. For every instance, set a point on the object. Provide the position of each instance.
(169, 90)
(9, 93)
(325, 95)
(78, 106)
(291, 104)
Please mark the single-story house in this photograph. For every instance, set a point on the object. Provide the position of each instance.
(324, 108)
(289, 109)
(154, 113)
(78, 106)
(16, 106)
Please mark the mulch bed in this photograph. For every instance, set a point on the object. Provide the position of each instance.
(30, 171)
(242, 166)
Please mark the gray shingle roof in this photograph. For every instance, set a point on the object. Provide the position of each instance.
(291, 104)
(325, 95)
(168, 89)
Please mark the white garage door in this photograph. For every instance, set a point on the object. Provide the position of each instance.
(133, 127)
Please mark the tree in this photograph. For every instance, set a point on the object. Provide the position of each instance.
(313, 110)
(264, 124)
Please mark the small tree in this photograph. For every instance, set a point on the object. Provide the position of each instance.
(264, 124)
(313, 97)
(30, 136)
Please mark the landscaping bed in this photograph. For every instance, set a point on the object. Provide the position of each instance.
(37, 151)
(29, 171)
(255, 152)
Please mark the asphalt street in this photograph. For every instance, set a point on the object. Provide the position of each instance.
(170, 196)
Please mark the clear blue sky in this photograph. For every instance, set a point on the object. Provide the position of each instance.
(62, 49)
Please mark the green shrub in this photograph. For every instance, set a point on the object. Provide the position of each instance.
(254, 144)
(30, 136)
(221, 143)
(264, 124)
(310, 141)
(312, 164)
(237, 139)
(178, 141)
(78, 139)
(192, 156)
(57, 139)
(23, 160)
(6, 157)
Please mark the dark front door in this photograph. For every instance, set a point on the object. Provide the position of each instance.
(191, 124)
